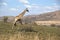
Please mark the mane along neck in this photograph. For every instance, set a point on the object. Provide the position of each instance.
(22, 13)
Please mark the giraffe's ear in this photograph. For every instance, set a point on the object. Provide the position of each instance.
(26, 8)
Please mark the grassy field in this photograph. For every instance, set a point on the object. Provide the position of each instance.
(28, 32)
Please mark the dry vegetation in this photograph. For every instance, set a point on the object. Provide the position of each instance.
(28, 32)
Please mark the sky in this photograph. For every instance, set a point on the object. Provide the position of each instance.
(35, 7)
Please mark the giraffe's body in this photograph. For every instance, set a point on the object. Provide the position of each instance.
(19, 17)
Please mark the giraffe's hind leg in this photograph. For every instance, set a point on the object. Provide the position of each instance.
(20, 21)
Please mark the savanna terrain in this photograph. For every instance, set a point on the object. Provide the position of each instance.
(28, 32)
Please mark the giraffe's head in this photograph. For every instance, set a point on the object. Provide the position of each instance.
(27, 10)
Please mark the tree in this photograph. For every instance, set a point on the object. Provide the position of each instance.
(5, 19)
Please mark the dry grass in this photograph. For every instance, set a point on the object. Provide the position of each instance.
(28, 32)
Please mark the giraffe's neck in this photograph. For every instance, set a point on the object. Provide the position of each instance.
(22, 14)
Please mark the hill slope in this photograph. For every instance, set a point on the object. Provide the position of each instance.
(41, 17)
(44, 17)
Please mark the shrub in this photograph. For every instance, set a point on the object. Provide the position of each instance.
(53, 25)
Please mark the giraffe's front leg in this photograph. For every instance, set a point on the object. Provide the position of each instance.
(14, 23)
(20, 21)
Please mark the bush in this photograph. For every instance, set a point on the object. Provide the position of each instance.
(53, 25)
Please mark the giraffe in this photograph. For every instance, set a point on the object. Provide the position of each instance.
(19, 17)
